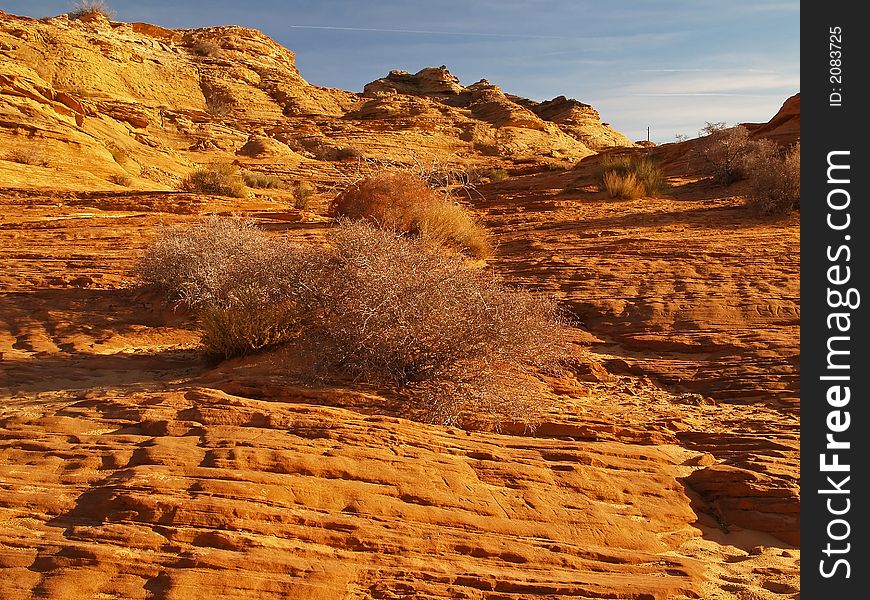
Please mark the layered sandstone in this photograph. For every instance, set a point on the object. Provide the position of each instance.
(132, 466)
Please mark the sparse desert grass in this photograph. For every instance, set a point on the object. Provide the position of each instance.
(403, 201)
(376, 305)
(627, 176)
(262, 180)
(625, 186)
(302, 193)
(90, 8)
(774, 177)
(219, 179)
(28, 155)
(324, 151)
(450, 224)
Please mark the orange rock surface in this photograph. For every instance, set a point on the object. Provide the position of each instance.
(666, 464)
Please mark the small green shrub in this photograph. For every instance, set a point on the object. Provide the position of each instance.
(572, 187)
(302, 194)
(496, 174)
(219, 179)
(348, 153)
(262, 180)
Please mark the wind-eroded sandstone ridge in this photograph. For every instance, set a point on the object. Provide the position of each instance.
(785, 126)
(666, 463)
(489, 104)
(99, 100)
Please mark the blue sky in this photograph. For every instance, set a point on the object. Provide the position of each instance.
(667, 64)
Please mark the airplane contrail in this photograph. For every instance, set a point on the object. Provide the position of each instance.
(729, 94)
(724, 70)
(425, 32)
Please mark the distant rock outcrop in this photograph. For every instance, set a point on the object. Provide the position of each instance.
(93, 90)
(431, 81)
(785, 126)
(488, 103)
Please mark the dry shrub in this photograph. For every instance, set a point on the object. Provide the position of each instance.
(403, 201)
(398, 311)
(774, 178)
(250, 291)
(450, 225)
(88, 9)
(246, 326)
(219, 106)
(725, 150)
(196, 263)
(630, 177)
(262, 180)
(220, 179)
(374, 304)
(622, 186)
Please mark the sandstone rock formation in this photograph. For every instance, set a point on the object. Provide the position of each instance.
(132, 100)
(785, 126)
(131, 466)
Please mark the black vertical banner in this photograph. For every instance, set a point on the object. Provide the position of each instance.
(835, 300)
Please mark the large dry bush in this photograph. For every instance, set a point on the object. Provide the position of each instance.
(374, 304)
(402, 201)
(725, 151)
(249, 290)
(400, 311)
(775, 178)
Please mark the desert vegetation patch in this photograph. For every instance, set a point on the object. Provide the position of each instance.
(373, 304)
(403, 201)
